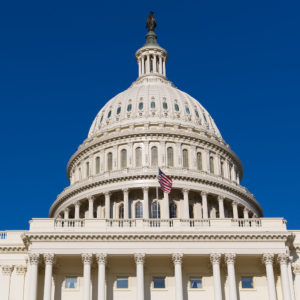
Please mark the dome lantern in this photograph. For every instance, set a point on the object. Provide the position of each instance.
(151, 57)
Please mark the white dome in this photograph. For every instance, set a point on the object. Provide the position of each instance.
(153, 99)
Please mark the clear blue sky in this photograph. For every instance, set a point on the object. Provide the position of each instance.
(61, 61)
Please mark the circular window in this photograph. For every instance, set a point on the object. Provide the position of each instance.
(165, 105)
(152, 104)
(176, 107)
(196, 112)
(187, 109)
(129, 107)
(118, 110)
(109, 114)
(141, 105)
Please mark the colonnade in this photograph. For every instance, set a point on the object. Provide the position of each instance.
(184, 213)
(283, 259)
(152, 63)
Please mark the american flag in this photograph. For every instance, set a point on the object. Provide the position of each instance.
(164, 181)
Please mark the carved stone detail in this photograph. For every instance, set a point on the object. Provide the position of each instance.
(7, 269)
(215, 258)
(101, 258)
(20, 270)
(268, 258)
(139, 258)
(34, 258)
(87, 258)
(296, 268)
(283, 258)
(49, 258)
(177, 258)
(230, 258)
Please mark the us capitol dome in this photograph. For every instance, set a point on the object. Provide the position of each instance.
(114, 234)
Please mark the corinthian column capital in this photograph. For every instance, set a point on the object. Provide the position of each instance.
(34, 258)
(101, 258)
(230, 258)
(139, 257)
(7, 269)
(268, 258)
(283, 258)
(215, 258)
(177, 258)
(86, 258)
(49, 258)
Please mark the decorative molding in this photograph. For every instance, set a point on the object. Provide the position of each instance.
(215, 258)
(230, 258)
(268, 258)
(34, 258)
(87, 258)
(177, 258)
(101, 258)
(49, 258)
(139, 258)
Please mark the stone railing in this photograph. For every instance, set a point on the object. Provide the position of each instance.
(176, 225)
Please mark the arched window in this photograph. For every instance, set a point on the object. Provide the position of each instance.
(170, 154)
(101, 118)
(139, 210)
(87, 169)
(129, 107)
(191, 211)
(138, 157)
(155, 210)
(204, 117)
(109, 161)
(109, 114)
(176, 107)
(152, 104)
(211, 165)
(118, 110)
(197, 114)
(185, 158)
(165, 105)
(123, 158)
(199, 161)
(154, 156)
(187, 109)
(97, 163)
(121, 211)
(173, 210)
(141, 105)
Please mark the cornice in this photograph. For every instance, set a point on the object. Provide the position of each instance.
(13, 249)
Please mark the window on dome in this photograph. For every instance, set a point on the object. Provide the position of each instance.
(121, 211)
(230, 171)
(159, 283)
(196, 283)
(129, 107)
(176, 107)
(173, 210)
(211, 165)
(101, 119)
(222, 168)
(109, 114)
(123, 158)
(170, 154)
(97, 163)
(118, 110)
(141, 105)
(165, 105)
(154, 156)
(155, 210)
(191, 211)
(199, 161)
(185, 158)
(152, 104)
(247, 282)
(138, 157)
(139, 210)
(122, 283)
(87, 169)
(187, 109)
(109, 161)
(204, 116)
(196, 112)
(71, 283)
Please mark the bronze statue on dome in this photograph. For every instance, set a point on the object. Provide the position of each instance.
(151, 22)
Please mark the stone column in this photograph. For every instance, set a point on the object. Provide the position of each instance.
(101, 259)
(296, 269)
(77, 208)
(33, 277)
(146, 203)
(87, 261)
(268, 259)
(230, 259)
(126, 204)
(160, 65)
(139, 260)
(290, 274)
(246, 213)
(148, 64)
(143, 65)
(185, 204)
(283, 260)
(91, 207)
(48, 258)
(235, 210)
(20, 282)
(221, 207)
(66, 213)
(177, 260)
(204, 205)
(107, 205)
(154, 64)
(6, 272)
(165, 212)
(215, 259)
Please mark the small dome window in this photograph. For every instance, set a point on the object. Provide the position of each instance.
(129, 107)
(141, 105)
(118, 110)
(196, 112)
(165, 105)
(176, 107)
(101, 119)
(109, 114)
(152, 104)
(187, 109)
(204, 116)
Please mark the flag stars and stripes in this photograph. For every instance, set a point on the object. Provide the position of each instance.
(164, 181)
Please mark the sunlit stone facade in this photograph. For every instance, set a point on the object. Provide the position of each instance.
(112, 234)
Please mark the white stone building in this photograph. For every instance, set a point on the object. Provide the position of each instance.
(111, 236)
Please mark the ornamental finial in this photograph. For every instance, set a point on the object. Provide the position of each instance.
(151, 22)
